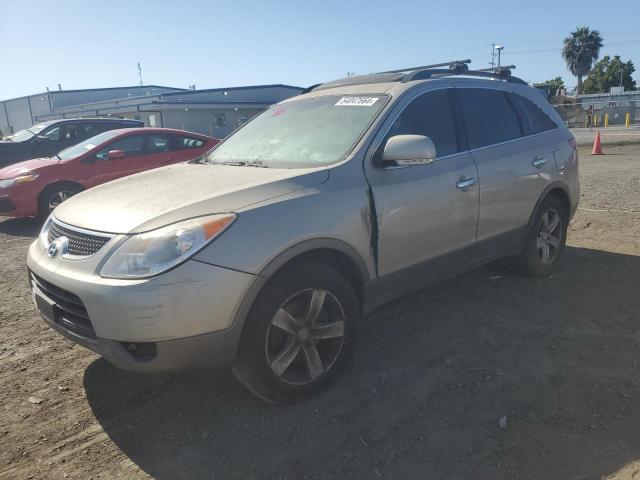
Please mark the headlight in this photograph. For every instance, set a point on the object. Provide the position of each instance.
(10, 182)
(44, 233)
(147, 254)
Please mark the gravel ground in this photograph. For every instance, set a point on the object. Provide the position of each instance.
(486, 376)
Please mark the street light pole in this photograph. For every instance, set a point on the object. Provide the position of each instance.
(499, 48)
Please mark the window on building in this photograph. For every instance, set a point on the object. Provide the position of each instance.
(220, 120)
(489, 118)
(242, 119)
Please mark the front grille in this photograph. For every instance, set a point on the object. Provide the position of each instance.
(69, 310)
(80, 243)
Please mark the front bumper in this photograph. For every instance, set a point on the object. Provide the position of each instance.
(19, 201)
(6, 205)
(184, 317)
(202, 351)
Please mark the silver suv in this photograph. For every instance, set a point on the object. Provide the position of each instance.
(265, 253)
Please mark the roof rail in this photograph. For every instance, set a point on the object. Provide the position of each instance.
(453, 64)
(309, 88)
(502, 73)
(456, 67)
(497, 69)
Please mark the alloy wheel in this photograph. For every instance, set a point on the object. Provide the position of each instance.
(305, 336)
(59, 197)
(549, 240)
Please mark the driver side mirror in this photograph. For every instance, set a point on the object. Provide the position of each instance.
(115, 155)
(409, 150)
(42, 138)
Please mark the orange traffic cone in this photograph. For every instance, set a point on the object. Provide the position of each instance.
(597, 149)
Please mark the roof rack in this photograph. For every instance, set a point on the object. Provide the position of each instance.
(453, 65)
(456, 67)
(309, 88)
(501, 73)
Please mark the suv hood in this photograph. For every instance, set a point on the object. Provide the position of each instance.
(166, 195)
(33, 165)
(9, 144)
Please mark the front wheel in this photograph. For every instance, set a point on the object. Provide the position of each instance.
(298, 334)
(54, 195)
(545, 240)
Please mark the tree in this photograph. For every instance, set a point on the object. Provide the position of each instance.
(607, 73)
(553, 87)
(580, 50)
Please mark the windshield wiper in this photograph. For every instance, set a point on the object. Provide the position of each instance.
(242, 163)
(202, 159)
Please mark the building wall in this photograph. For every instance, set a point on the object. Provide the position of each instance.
(77, 97)
(21, 113)
(17, 115)
(216, 123)
(270, 94)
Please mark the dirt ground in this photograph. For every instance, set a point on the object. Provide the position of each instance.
(422, 397)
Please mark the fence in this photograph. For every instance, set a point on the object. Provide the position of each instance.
(619, 113)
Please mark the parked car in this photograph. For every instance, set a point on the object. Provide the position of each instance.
(46, 139)
(266, 254)
(35, 187)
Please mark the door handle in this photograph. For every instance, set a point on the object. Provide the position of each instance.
(539, 161)
(466, 183)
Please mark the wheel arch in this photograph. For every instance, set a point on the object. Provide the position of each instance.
(555, 189)
(58, 183)
(334, 253)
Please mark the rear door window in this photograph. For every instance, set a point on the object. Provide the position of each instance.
(489, 117)
(533, 119)
(158, 143)
(91, 129)
(430, 115)
(69, 133)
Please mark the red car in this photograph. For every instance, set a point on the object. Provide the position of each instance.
(35, 187)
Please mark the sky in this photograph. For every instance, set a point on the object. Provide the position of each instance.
(91, 43)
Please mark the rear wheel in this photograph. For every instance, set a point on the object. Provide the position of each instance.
(54, 195)
(298, 334)
(546, 239)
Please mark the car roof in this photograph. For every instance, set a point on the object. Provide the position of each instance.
(91, 119)
(397, 81)
(131, 131)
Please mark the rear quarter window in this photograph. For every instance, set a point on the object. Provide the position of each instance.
(532, 117)
(185, 143)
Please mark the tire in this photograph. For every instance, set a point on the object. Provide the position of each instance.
(55, 193)
(546, 238)
(276, 359)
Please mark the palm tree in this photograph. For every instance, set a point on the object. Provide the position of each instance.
(580, 50)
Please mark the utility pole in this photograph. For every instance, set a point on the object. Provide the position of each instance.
(350, 74)
(621, 72)
(140, 73)
(493, 54)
